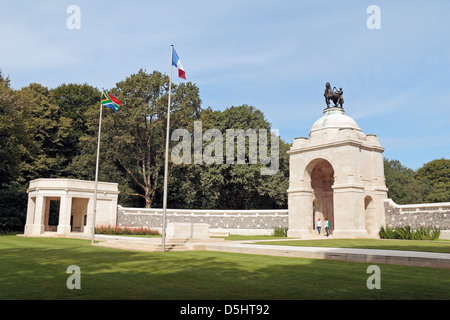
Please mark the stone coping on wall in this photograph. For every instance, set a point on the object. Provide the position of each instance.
(438, 205)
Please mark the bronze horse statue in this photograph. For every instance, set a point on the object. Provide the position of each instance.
(333, 95)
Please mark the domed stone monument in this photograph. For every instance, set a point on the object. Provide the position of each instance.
(336, 174)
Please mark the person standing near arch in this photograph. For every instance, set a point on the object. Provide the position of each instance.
(319, 225)
(327, 226)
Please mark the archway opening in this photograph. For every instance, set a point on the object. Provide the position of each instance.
(369, 215)
(78, 217)
(322, 180)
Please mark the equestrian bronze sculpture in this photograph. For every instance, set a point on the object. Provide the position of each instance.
(333, 95)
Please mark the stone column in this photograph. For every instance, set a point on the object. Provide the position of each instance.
(31, 210)
(90, 211)
(300, 212)
(113, 215)
(65, 211)
(38, 226)
(349, 221)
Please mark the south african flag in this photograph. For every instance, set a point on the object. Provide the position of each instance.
(110, 101)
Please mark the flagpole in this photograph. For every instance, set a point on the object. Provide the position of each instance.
(96, 175)
(166, 164)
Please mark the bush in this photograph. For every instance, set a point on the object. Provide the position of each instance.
(387, 233)
(280, 232)
(406, 233)
(115, 230)
(436, 233)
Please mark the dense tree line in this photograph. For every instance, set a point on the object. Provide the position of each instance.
(430, 183)
(51, 133)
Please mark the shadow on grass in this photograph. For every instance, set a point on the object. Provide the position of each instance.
(36, 269)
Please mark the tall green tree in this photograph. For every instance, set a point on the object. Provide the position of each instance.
(12, 134)
(73, 101)
(233, 185)
(13, 142)
(48, 134)
(133, 138)
(436, 176)
(402, 186)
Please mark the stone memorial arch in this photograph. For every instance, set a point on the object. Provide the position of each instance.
(337, 173)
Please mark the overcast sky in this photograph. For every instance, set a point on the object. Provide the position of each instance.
(274, 55)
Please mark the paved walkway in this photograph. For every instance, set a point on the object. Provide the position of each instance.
(374, 256)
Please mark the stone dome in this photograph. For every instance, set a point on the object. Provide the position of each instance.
(334, 118)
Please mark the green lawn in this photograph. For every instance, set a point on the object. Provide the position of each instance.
(409, 245)
(35, 268)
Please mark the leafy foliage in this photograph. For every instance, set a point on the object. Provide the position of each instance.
(232, 185)
(402, 185)
(436, 175)
(406, 233)
(430, 183)
(280, 232)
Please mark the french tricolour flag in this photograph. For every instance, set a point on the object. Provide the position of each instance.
(177, 63)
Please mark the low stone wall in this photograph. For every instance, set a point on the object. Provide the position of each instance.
(244, 222)
(429, 215)
(263, 222)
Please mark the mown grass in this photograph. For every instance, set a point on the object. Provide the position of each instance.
(408, 245)
(35, 268)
